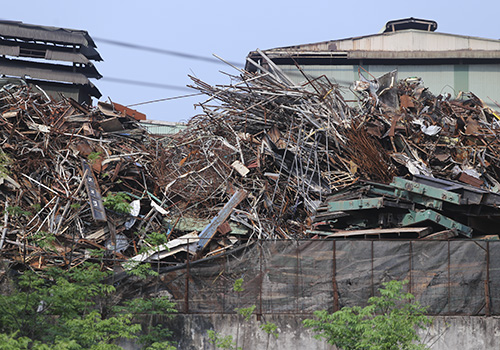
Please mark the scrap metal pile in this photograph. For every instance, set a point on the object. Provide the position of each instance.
(268, 158)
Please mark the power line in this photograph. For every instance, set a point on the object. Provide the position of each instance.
(165, 52)
(146, 83)
(164, 99)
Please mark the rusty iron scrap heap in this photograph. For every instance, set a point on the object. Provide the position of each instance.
(266, 159)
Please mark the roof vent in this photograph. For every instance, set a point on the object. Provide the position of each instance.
(410, 23)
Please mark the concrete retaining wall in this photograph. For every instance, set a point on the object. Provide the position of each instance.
(446, 333)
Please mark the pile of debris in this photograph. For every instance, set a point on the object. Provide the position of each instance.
(57, 163)
(267, 159)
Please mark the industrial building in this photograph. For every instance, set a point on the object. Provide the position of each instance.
(57, 60)
(447, 63)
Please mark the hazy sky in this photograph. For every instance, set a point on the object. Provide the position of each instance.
(229, 29)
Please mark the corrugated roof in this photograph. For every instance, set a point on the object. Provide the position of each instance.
(39, 46)
(51, 72)
(66, 36)
(28, 49)
(88, 71)
(408, 43)
(43, 74)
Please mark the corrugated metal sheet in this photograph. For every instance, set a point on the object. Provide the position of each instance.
(161, 127)
(43, 73)
(66, 56)
(13, 29)
(88, 70)
(9, 50)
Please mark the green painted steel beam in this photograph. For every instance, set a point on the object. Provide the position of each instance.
(356, 204)
(420, 199)
(416, 217)
(384, 190)
(425, 190)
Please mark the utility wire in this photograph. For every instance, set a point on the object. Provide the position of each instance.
(164, 99)
(165, 52)
(146, 83)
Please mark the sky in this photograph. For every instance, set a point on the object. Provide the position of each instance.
(229, 29)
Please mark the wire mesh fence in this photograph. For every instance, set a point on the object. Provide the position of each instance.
(301, 276)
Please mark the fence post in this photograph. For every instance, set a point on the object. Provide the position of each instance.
(410, 268)
(261, 276)
(487, 282)
(371, 262)
(449, 279)
(186, 292)
(297, 267)
(334, 278)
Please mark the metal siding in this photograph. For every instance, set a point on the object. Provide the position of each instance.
(158, 129)
(440, 79)
(484, 82)
(341, 74)
(461, 76)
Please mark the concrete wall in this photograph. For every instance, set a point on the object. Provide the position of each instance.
(446, 333)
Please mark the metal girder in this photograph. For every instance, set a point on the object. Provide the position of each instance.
(385, 190)
(416, 217)
(356, 204)
(95, 199)
(426, 190)
(420, 199)
(209, 231)
(470, 194)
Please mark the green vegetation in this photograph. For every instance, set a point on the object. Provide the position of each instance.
(222, 342)
(238, 285)
(94, 156)
(246, 312)
(73, 310)
(270, 328)
(36, 207)
(17, 211)
(43, 240)
(75, 206)
(227, 342)
(118, 202)
(389, 322)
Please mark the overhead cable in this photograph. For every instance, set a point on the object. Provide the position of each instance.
(164, 51)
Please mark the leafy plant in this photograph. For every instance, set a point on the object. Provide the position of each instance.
(43, 239)
(389, 322)
(246, 312)
(118, 202)
(94, 156)
(156, 239)
(141, 270)
(238, 285)
(36, 207)
(157, 335)
(222, 342)
(270, 328)
(17, 211)
(58, 309)
(75, 206)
